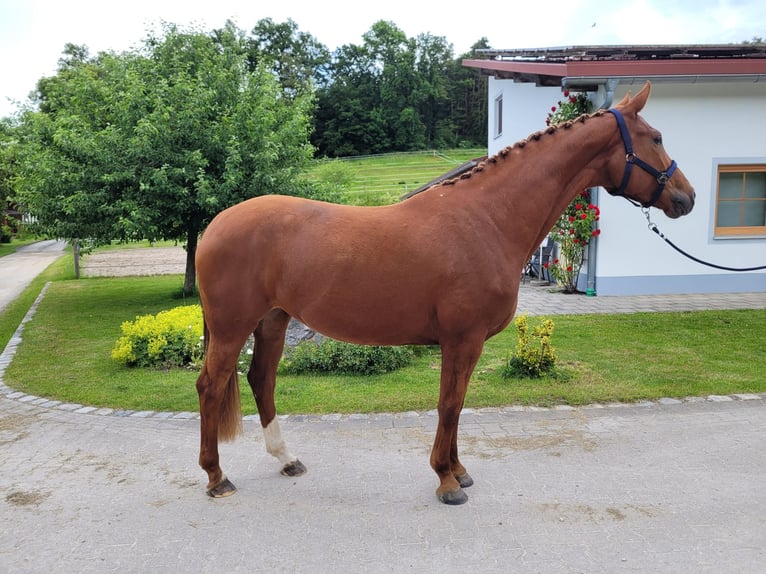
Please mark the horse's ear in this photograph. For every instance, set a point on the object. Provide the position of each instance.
(637, 103)
(625, 100)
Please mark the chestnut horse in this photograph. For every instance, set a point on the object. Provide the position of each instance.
(442, 267)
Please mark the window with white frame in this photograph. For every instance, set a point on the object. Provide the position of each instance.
(499, 115)
(741, 200)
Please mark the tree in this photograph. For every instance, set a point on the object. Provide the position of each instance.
(433, 66)
(152, 143)
(69, 148)
(299, 60)
(213, 134)
(468, 100)
(397, 94)
(8, 169)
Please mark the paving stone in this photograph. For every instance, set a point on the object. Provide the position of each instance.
(747, 396)
(69, 407)
(670, 401)
(719, 398)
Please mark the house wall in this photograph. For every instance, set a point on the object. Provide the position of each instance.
(525, 108)
(702, 124)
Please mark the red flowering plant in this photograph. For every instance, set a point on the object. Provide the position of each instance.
(576, 225)
(573, 231)
(571, 107)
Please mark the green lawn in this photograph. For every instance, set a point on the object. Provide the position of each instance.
(603, 358)
(383, 179)
(8, 248)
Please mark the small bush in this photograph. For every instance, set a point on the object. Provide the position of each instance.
(534, 354)
(335, 357)
(171, 338)
(6, 233)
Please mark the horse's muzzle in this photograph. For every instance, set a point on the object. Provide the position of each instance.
(681, 204)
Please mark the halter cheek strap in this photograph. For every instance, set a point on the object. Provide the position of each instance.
(631, 159)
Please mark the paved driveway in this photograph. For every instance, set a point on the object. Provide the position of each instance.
(18, 269)
(676, 487)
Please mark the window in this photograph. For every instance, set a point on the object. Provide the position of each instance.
(741, 200)
(499, 115)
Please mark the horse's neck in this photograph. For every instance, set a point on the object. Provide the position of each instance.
(534, 184)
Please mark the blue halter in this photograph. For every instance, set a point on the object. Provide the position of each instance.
(631, 158)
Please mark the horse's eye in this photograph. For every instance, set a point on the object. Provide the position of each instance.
(658, 140)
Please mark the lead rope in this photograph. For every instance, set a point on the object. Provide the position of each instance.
(653, 227)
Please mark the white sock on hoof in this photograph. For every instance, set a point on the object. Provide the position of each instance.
(275, 445)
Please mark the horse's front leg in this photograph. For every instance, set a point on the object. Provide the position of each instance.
(262, 376)
(458, 362)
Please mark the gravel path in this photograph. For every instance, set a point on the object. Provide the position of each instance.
(135, 261)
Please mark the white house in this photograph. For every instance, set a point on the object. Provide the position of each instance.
(710, 104)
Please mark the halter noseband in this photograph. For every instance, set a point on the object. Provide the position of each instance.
(631, 158)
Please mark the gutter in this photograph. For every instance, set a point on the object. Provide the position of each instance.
(610, 86)
(593, 82)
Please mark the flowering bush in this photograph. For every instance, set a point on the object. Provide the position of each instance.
(573, 106)
(171, 338)
(576, 225)
(572, 231)
(534, 354)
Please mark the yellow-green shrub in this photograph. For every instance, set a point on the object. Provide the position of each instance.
(170, 338)
(534, 354)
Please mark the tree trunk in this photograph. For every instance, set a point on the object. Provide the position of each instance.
(190, 278)
(76, 253)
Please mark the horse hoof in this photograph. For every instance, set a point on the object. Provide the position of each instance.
(222, 489)
(453, 497)
(464, 480)
(294, 468)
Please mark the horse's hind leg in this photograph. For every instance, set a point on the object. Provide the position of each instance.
(262, 376)
(220, 413)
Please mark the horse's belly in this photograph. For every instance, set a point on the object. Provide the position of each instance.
(370, 323)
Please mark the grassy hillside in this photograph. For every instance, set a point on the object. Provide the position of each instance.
(383, 179)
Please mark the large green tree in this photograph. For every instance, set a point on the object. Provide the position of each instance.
(152, 143)
(394, 93)
(300, 61)
(468, 100)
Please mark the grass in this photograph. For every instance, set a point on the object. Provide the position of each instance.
(11, 316)
(8, 248)
(602, 358)
(383, 179)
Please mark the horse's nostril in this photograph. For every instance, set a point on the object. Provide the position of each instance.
(683, 204)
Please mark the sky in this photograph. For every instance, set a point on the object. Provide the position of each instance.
(33, 32)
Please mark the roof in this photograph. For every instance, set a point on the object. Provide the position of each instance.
(585, 67)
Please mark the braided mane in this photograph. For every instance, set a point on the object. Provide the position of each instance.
(503, 153)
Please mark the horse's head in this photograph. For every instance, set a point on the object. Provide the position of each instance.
(641, 169)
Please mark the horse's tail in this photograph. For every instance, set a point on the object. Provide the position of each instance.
(230, 423)
(230, 416)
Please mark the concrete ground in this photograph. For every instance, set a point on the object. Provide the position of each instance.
(665, 486)
(18, 269)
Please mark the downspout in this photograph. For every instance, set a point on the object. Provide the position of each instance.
(609, 87)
